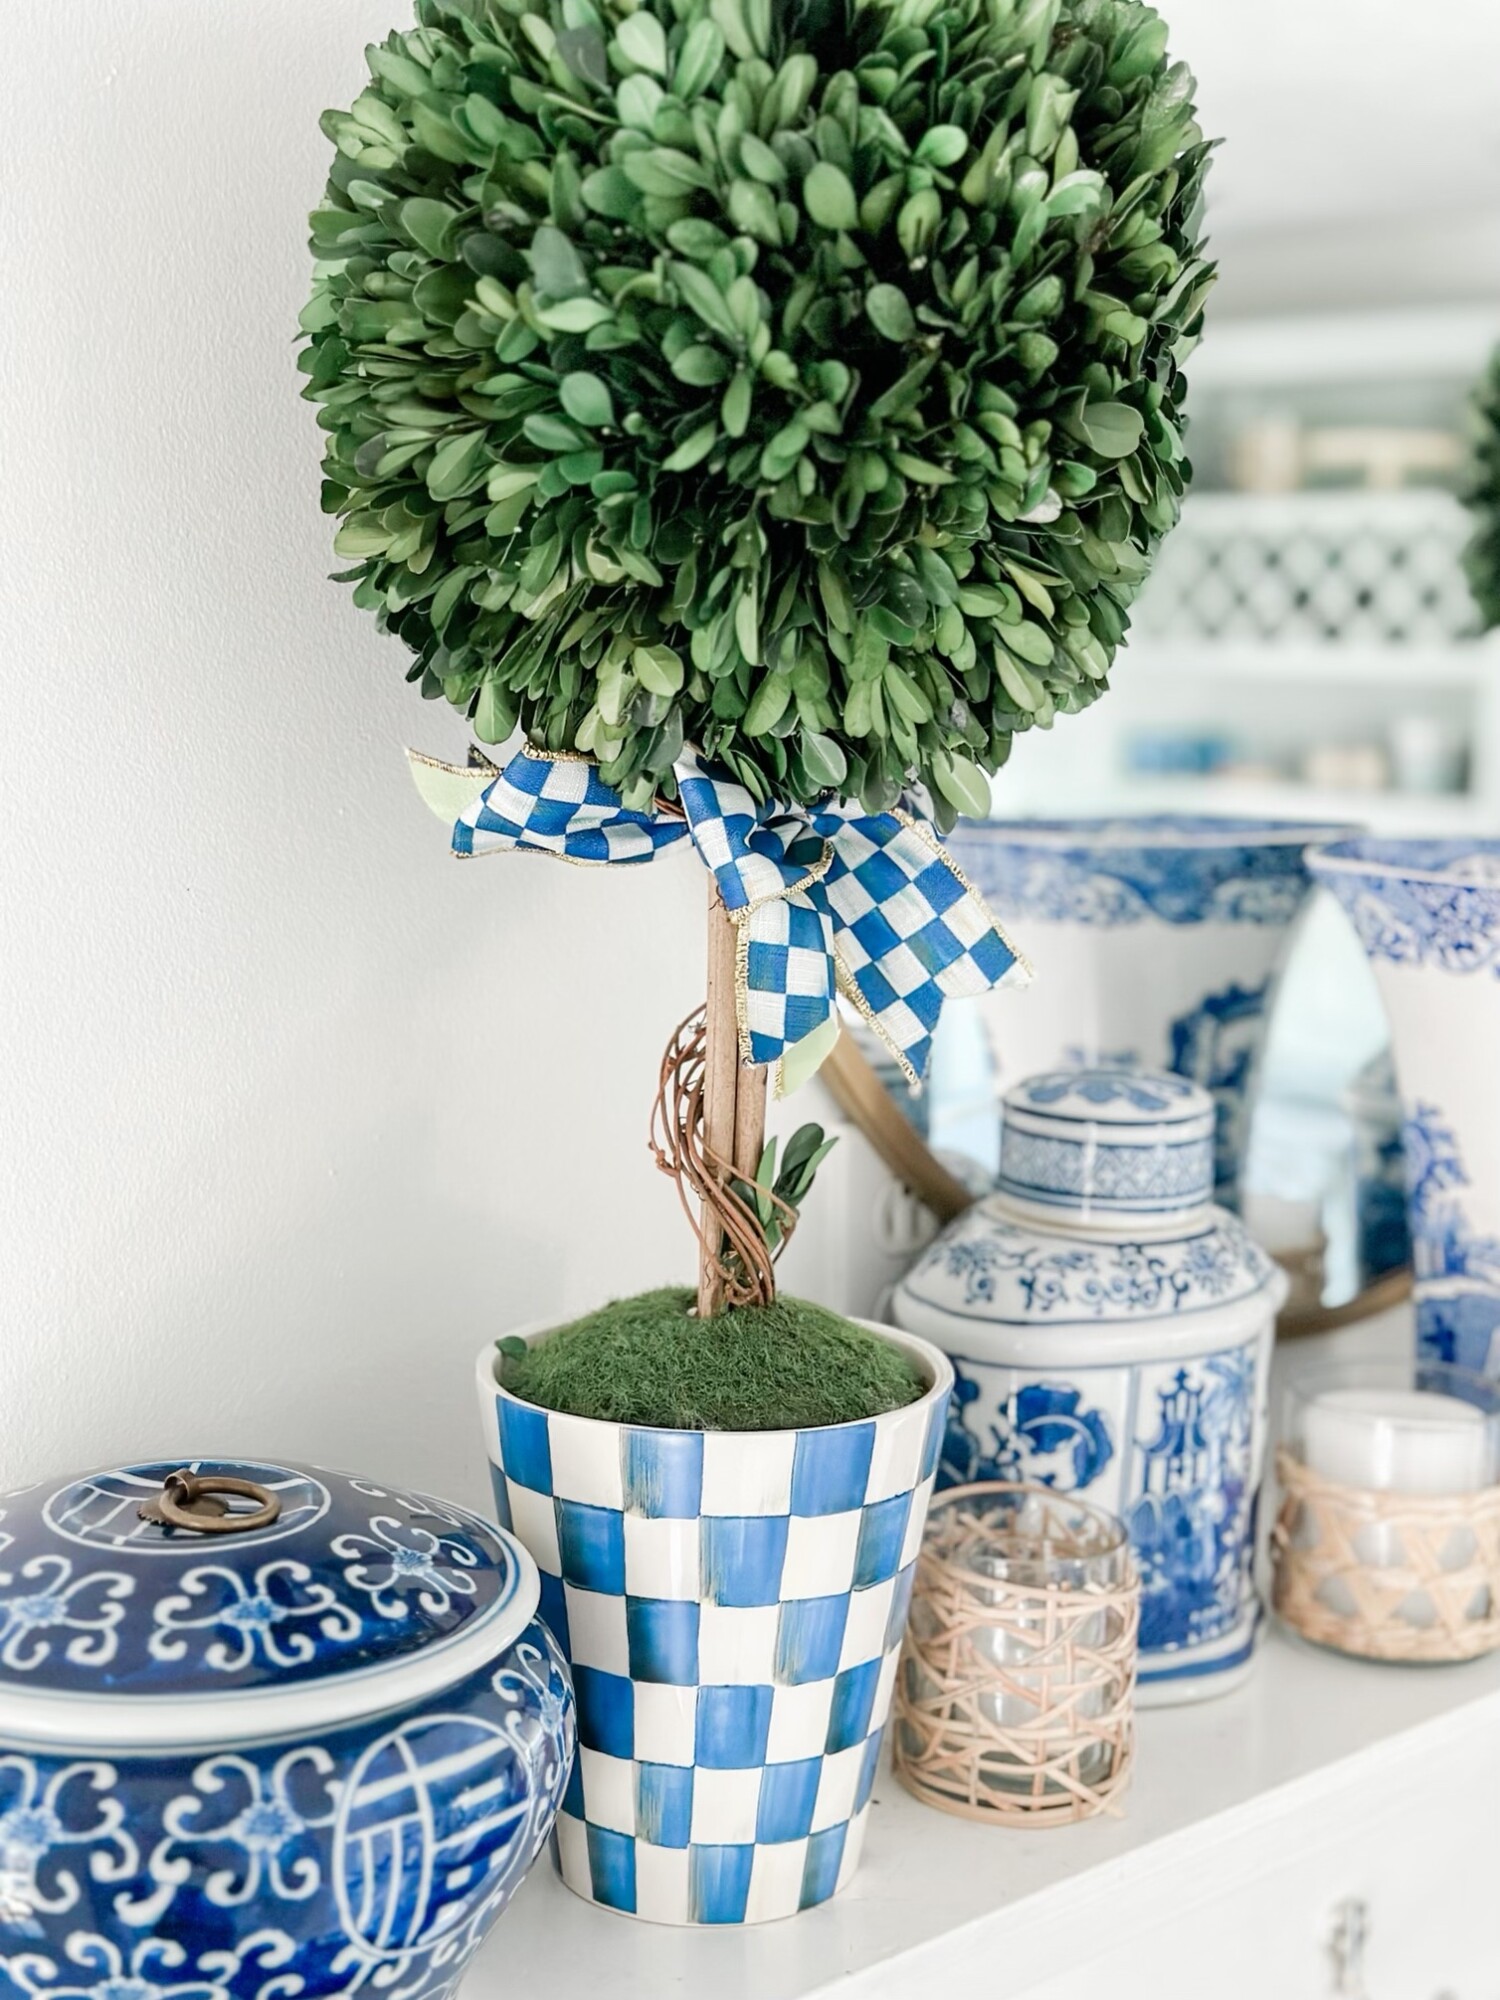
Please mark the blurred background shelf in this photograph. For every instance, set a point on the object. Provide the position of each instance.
(1383, 811)
(1472, 664)
(1307, 645)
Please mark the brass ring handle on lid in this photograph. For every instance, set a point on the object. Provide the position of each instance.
(189, 1500)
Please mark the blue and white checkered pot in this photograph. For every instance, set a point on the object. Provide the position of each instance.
(732, 1605)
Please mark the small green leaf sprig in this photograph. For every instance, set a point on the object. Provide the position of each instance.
(778, 1195)
(801, 382)
(1482, 493)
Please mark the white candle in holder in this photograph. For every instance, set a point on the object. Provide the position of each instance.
(1397, 1441)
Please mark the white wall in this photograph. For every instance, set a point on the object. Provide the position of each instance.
(295, 1110)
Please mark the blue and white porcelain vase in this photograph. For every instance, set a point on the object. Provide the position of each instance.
(1157, 941)
(1111, 1332)
(732, 1604)
(1428, 914)
(264, 1731)
(1382, 1235)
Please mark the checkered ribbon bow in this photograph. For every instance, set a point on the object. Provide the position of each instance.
(825, 900)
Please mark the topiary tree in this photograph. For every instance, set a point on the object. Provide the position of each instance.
(1482, 492)
(797, 384)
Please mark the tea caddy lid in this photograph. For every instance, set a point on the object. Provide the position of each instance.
(1089, 1147)
(221, 1599)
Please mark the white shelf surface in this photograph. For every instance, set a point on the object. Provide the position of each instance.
(938, 1899)
(940, 1905)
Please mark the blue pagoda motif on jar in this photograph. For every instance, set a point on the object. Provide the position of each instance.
(1192, 1520)
(1183, 1487)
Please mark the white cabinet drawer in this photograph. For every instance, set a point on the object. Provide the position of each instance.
(1401, 1841)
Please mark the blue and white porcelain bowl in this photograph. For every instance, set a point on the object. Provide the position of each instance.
(732, 1604)
(309, 1752)
(1428, 915)
(1156, 940)
(1110, 1331)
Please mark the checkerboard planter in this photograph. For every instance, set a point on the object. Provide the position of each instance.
(732, 1604)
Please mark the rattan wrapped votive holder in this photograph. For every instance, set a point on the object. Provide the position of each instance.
(1387, 1542)
(1015, 1696)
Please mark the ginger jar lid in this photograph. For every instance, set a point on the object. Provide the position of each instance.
(133, 1596)
(1090, 1147)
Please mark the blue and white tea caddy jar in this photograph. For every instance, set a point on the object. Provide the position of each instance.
(264, 1731)
(1111, 1331)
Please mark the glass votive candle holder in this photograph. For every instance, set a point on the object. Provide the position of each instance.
(1388, 1540)
(1015, 1695)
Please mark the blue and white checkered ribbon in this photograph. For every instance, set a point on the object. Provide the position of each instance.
(825, 900)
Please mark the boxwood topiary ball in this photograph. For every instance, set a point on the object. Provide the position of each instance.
(801, 381)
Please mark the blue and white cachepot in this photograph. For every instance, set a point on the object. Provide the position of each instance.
(732, 1604)
(1111, 1332)
(1428, 915)
(283, 1732)
(1158, 940)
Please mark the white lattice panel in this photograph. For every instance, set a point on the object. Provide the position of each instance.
(1322, 568)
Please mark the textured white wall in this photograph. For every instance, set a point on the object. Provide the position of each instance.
(294, 1109)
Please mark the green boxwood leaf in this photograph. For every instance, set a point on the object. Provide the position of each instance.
(609, 192)
(558, 269)
(767, 705)
(824, 761)
(701, 365)
(760, 162)
(890, 312)
(700, 292)
(1113, 430)
(699, 59)
(495, 713)
(642, 40)
(734, 411)
(458, 466)
(574, 315)
(942, 146)
(1030, 642)
(663, 170)
(658, 669)
(828, 196)
(431, 225)
(963, 784)
(586, 399)
(693, 449)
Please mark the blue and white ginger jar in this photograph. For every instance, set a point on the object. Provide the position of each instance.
(1110, 1331)
(286, 1733)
